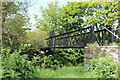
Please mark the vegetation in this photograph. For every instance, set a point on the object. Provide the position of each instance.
(114, 44)
(15, 65)
(60, 58)
(25, 54)
(14, 18)
(103, 67)
(93, 47)
(36, 38)
(49, 19)
(67, 72)
(97, 68)
(79, 14)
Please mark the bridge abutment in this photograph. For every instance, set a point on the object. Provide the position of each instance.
(90, 53)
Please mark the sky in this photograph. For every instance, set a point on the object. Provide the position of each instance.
(35, 8)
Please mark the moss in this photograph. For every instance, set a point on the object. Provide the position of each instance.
(113, 44)
(93, 47)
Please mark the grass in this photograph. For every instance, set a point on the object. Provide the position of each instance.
(0, 67)
(66, 72)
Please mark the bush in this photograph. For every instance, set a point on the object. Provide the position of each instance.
(37, 39)
(15, 65)
(29, 50)
(103, 67)
(18, 63)
(59, 58)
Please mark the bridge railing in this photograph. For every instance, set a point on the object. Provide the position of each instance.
(80, 38)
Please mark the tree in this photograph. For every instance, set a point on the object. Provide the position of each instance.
(104, 13)
(79, 14)
(37, 38)
(14, 18)
(71, 15)
(49, 18)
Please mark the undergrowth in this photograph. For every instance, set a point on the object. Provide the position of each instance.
(15, 65)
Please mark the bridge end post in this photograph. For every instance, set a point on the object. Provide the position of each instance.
(92, 35)
(111, 36)
(52, 39)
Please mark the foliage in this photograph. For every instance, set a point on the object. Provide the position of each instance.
(71, 15)
(18, 63)
(14, 18)
(15, 65)
(103, 67)
(0, 67)
(93, 47)
(59, 58)
(103, 13)
(106, 43)
(113, 44)
(67, 17)
(79, 14)
(72, 72)
(49, 19)
(119, 44)
(75, 15)
(36, 38)
(119, 71)
(19, 66)
(117, 32)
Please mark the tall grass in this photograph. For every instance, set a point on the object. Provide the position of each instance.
(0, 67)
(66, 72)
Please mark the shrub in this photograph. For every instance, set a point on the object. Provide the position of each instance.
(37, 38)
(29, 50)
(15, 65)
(59, 58)
(103, 67)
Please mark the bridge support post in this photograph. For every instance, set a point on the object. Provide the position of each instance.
(65, 39)
(80, 38)
(92, 34)
(52, 40)
(111, 36)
